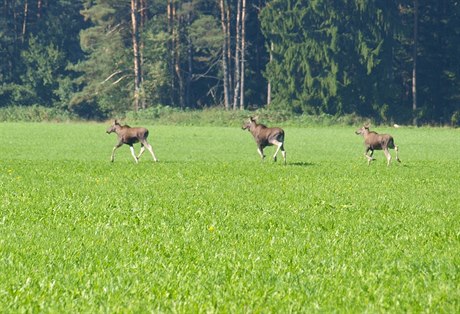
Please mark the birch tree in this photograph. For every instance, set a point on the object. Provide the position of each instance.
(243, 52)
(236, 92)
(225, 61)
(136, 52)
(414, 64)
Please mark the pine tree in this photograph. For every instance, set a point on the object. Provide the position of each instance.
(106, 78)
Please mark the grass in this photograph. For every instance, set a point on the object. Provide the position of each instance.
(210, 228)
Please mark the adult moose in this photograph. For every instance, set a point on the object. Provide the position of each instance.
(129, 136)
(374, 141)
(265, 136)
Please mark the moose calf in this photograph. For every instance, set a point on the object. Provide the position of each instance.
(374, 141)
(266, 137)
(129, 136)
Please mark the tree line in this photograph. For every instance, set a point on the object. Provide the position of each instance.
(389, 60)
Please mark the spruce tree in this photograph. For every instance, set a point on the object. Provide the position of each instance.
(325, 54)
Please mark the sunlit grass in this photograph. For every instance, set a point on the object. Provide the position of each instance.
(211, 228)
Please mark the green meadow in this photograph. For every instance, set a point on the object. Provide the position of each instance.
(213, 229)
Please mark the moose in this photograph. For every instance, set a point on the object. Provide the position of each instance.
(265, 136)
(129, 136)
(374, 141)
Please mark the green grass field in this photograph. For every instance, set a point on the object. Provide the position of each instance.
(211, 228)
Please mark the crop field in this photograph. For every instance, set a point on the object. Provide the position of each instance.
(213, 229)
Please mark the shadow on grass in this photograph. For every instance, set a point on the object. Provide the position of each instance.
(300, 164)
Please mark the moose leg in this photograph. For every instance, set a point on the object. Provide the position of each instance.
(131, 148)
(396, 150)
(112, 158)
(278, 146)
(283, 152)
(387, 155)
(260, 150)
(149, 147)
(145, 144)
(369, 157)
(141, 152)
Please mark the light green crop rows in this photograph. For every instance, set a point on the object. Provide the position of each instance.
(211, 228)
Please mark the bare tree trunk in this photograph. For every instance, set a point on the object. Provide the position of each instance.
(174, 24)
(171, 50)
(229, 55)
(189, 60)
(24, 22)
(243, 52)
(224, 55)
(16, 22)
(236, 93)
(177, 58)
(143, 10)
(414, 69)
(39, 8)
(143, 14)
(136, 54)
(269, 85)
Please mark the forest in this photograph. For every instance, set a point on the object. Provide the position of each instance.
(392, 61)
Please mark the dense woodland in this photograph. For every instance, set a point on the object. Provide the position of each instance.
(389, 60)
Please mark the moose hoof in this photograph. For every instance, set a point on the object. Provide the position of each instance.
(274, 159)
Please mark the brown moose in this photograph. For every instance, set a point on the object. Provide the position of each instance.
(129, 136)
(374, 141)
(265, 136)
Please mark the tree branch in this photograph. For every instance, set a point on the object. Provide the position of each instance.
(112, 75)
